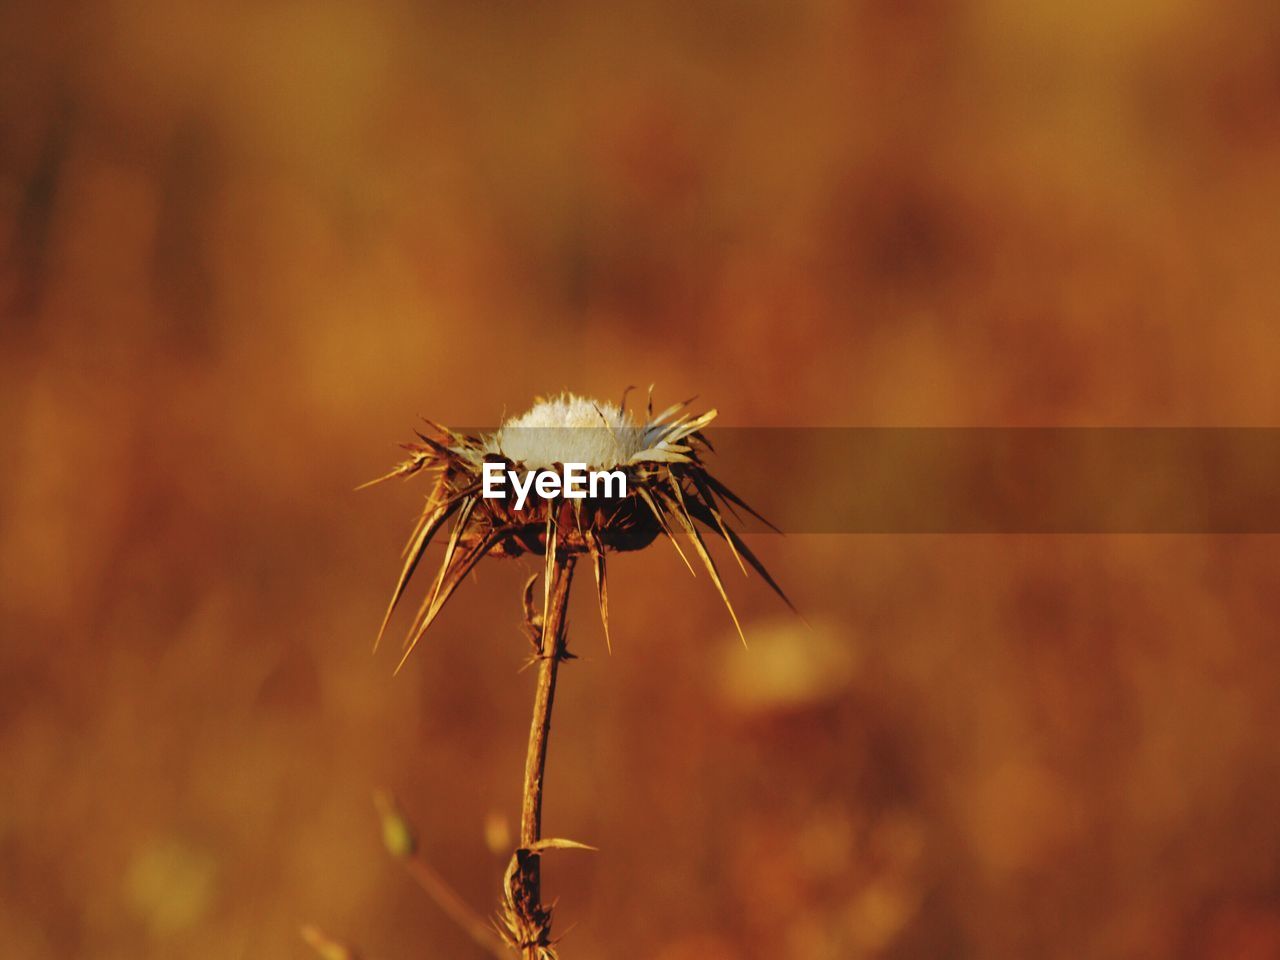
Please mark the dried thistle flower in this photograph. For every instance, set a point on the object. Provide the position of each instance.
(668, 490)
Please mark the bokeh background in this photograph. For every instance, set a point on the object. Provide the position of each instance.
(243, 246)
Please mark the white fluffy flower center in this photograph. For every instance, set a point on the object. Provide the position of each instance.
(570, 429)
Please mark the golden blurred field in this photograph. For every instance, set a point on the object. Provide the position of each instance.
(242, 248)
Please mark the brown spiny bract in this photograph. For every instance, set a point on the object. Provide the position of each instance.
(668, 491)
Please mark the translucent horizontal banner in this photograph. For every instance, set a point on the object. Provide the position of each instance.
(1002, 480)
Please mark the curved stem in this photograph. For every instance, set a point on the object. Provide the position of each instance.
(524, 894)
(549, 657)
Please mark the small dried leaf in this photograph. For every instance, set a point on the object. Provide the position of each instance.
(558, 843)
(531, 615)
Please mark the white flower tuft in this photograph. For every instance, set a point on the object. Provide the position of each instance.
(570, 429)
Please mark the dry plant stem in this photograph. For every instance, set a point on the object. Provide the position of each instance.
(551, 639)
(549, 657)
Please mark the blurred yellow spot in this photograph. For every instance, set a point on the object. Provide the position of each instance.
(787, 665)
(170, 884)
(879, 913)
(324, 945)
(497, 834)
(397, 834)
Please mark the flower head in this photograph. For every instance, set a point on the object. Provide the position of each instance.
(570, 429)
(668, 491)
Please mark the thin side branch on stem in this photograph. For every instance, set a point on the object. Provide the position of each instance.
(445, 897)
(401, 842)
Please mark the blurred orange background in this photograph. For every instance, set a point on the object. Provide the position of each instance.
(242, 248)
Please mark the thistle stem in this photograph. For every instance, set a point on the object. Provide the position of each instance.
(524, 886)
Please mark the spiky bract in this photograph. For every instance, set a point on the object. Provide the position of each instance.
(670, 491)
